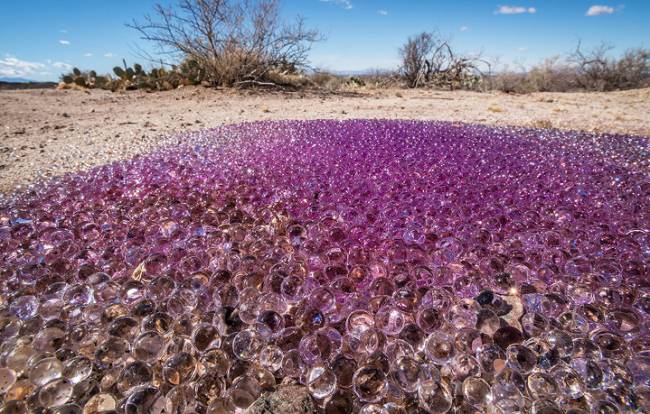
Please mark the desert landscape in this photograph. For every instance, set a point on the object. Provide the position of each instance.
(309, 207)
(46, 133)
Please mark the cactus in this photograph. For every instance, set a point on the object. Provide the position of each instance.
(189, 72)
(119, 72)
(101, 82)
(81, 81)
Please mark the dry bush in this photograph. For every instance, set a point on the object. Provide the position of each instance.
(510, 82)
(327, 81)
(427, 58)
(591, 70)
(235, 42)
(382, 79)
(552, 75)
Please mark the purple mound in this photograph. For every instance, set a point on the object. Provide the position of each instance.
(388, 266)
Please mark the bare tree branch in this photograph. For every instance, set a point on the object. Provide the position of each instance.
(235, 41)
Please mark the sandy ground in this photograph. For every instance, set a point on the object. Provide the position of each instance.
(44, 133)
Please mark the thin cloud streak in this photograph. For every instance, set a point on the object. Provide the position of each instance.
(598, 10)
(515, 10)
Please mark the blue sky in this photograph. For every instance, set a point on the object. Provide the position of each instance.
(40, 39)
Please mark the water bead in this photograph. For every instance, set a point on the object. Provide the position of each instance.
(521, 358)
(368, 383)
(24, 307)
(7, 379)
(247, 344)
(99, 403)
(476, 391)
(20, 390)
(179, 368)
(434, 396)
(45, 370)
(439, 347)
(143, 399)
(134, 374)
(406, 374)
(315, 348)
(390, 320)
(386, 266)
(111, 350)
(321, 381)
(271, 357)
(541, 385)
(244, 391)
(77, 369)
(55, 393)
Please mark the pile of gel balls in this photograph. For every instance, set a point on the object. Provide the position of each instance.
(384, 266)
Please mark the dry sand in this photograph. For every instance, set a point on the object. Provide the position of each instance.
(44, 133)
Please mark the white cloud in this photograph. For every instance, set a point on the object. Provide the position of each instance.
(63, 31)
(108, 55)
(463, 28)
(346, 4)
(515, 10)
(382, 12)
(13, 67)
(64, 42)
(88, 54)
(597, 10)
(62, 65)
(522, 49)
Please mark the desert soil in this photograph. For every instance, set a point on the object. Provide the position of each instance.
(44, 133)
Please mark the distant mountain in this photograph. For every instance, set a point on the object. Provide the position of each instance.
(15, 80)
(21, 83)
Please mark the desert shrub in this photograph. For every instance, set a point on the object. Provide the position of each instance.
(429, 59)
(382, 79)
(552, 75)
(633, 69)
(230, 43)
(327, 81)
(510, 82)
(592, 70)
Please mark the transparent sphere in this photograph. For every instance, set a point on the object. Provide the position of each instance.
(541, 385)
(390, 320)
(144, 399)
(179, 368)
(24, 307)
(100, 403)
(271, 357)
(406, 374)
(521, 358)
(7, 379)
(476, 391)
(45, 370)
(439, 347)
(148, 346)
(321, 382)
(569, 382)
(434, 396)
(55, 393)
(247, 344)
(368, 383)
(134, 374)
